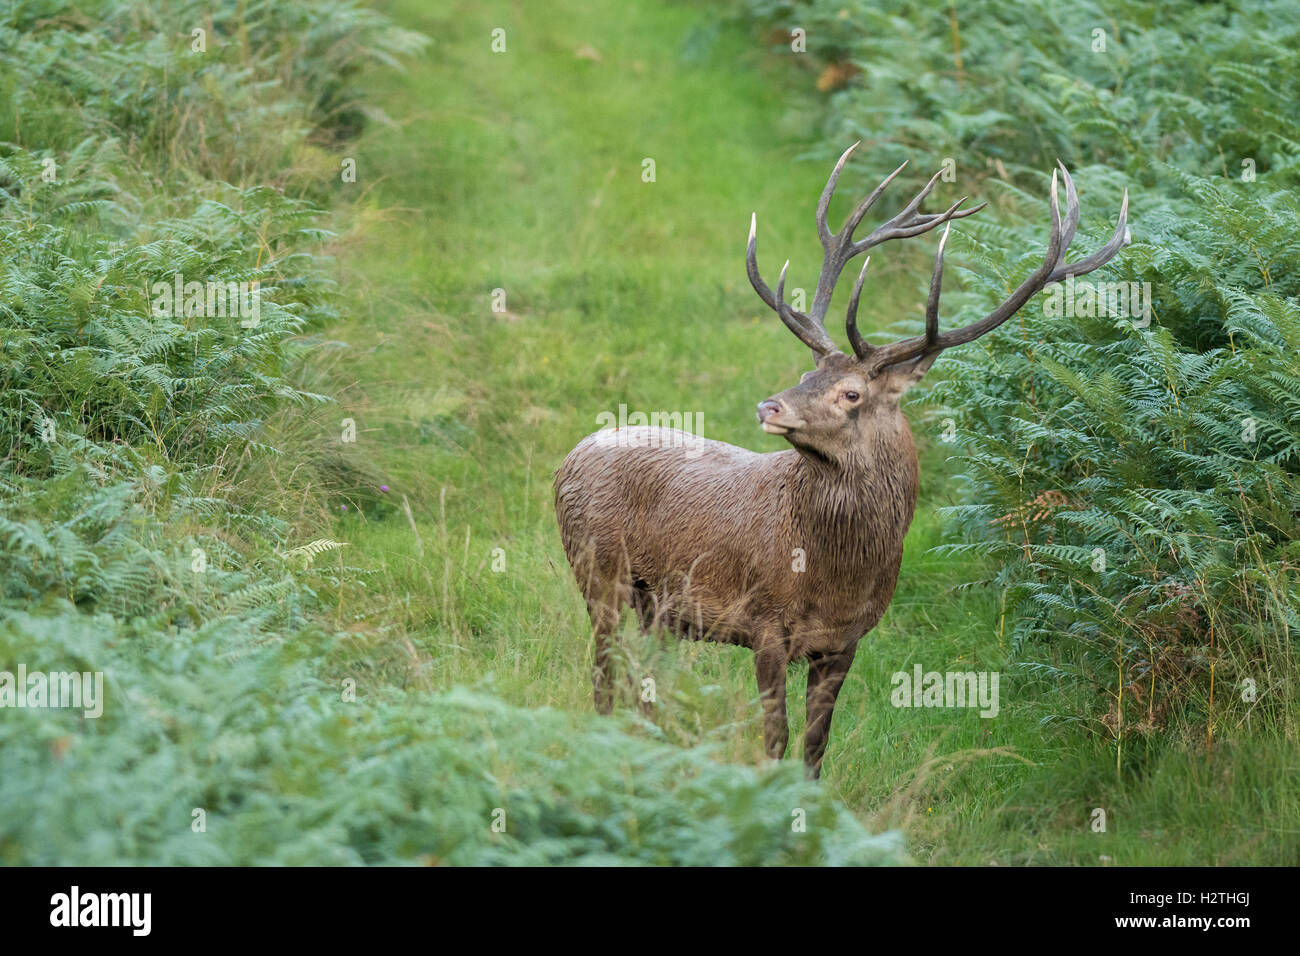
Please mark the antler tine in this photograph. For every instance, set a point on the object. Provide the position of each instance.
(839, 249)
(936, 282)
(1118, 240)
(1071, 210)
(815, 337)
(859, 345)
(780, 293)
(907, 216)
(1053, 269)
(1023, 291)
(824, 203)
(927, 222)
(910, 223)
(862, 207)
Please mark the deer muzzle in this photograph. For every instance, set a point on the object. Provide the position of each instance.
(773, 420)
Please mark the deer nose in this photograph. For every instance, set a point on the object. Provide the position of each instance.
(767, 408)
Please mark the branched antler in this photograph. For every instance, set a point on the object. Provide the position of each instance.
(840, 247)
(924, 348)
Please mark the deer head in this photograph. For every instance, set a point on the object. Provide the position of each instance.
(847, 401)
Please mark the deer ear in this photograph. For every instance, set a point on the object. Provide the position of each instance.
(899, 378)
(922, 365)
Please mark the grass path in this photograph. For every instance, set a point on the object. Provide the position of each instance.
(522, 171)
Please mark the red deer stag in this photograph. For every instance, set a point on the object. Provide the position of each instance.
(793, 553)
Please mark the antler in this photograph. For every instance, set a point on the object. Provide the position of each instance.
(925, 348)
(840, 248)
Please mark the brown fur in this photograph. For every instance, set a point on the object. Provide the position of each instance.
(793, 553)
(700, 537)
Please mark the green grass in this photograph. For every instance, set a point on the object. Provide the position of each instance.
(228, 734)
(522, 171)
(458, 623)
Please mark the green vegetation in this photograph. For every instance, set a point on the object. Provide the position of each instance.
(169, 473)
(418, 569)
(1131, 478)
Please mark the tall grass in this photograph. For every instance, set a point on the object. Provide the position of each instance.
(624, 291)
(171, 477)
(1133, 482)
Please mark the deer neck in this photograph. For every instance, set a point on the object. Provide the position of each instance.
(857, 510)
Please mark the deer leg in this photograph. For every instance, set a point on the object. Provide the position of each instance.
(826, 673)
(770, 662)
(604, 620)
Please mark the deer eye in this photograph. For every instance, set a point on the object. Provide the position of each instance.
(852, 396)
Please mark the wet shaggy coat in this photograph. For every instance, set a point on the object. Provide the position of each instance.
(733, 544)
(787, 553)
(794, 553)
